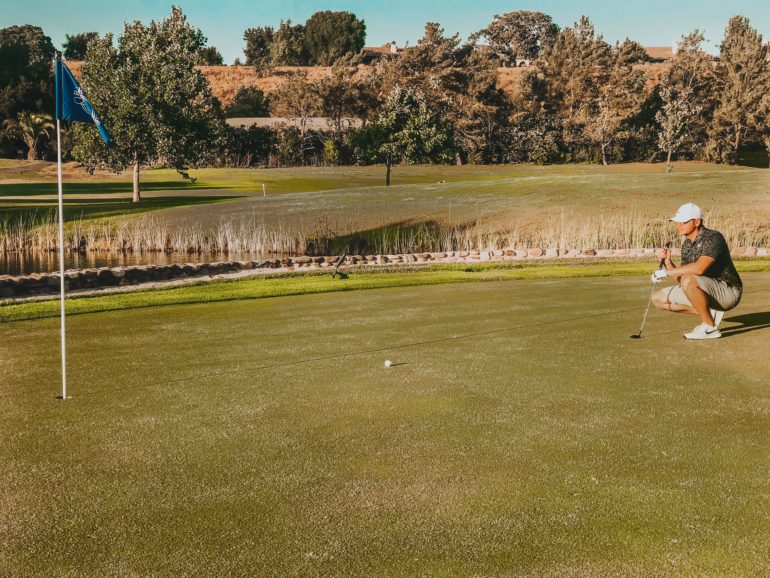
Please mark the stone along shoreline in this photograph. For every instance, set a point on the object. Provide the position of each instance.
(109, 277)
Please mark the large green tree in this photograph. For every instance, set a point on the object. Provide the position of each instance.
(331, 35)
(288, 45)
(743, 80)
(258, 47)
(410, 128)
(26, 83)
(518, 34)
(156, 106)
(76, 45)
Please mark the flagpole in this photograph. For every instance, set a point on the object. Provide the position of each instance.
(61, 265)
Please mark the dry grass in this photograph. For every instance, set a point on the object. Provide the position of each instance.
(226, 80)
(249, 234)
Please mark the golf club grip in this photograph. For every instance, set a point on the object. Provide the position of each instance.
(663, 261)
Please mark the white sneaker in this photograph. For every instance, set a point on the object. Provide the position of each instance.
(717, 316)
(703, 331)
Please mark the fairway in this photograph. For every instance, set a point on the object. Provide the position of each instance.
(354, 198)
(520, 432)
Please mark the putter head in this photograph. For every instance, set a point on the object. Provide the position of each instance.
(636, 336)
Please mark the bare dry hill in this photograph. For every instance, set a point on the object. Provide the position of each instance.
(226, 80)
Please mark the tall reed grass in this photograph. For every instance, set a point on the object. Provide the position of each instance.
(250, 235)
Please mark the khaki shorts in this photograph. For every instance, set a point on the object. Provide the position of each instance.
(721, 295)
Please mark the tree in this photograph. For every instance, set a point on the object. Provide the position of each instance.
(518, 34)
(343, 95)
(297, 98)
(462, 81)
(430, 66)
(75, 46)
(249, 102)
(479, 112)
(26, 82)
(154, 103)
(259, 43)
(30, 128)
(631, 52)
(760, 123)
(743, 79)
(678, 108)
(690, 79)
(413, 130)
(566, 83)
(210, 56)
(288, 46)
(619, 100)
(331, 35)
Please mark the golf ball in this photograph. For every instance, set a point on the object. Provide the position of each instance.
(388, 363)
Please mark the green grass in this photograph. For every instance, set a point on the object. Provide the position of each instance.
(87, 209)
(354, 197)
(286, 284)
(521, 433)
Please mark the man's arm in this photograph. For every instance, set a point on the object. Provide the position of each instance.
(698, 267)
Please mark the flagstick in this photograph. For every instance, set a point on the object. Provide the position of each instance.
(61, 264)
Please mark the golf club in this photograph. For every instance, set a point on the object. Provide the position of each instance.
(646, 311)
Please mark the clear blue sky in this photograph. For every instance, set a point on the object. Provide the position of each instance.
(651, 22)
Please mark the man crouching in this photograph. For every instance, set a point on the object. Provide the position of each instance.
(708, 284)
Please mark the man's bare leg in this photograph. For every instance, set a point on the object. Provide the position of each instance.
(698, 298)
(694, 293)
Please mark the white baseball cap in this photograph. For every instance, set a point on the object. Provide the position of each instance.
(686, 213)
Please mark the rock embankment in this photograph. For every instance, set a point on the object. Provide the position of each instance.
(48, 283)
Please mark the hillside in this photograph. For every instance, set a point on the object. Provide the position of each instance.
(226, 80)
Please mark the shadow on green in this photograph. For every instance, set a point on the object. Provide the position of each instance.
(100, 188)
(36, 210)
(748, 322)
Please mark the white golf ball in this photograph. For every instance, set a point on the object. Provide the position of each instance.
(388, 363)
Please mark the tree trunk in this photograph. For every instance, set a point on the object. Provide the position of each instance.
(767, 147)
(668, 162)
(388, 163)
(604, 154)
(32, 154)
(137, 192)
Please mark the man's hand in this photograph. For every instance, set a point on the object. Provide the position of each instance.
(659, 275)
(665, 255)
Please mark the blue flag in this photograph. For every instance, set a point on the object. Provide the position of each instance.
(71, 102)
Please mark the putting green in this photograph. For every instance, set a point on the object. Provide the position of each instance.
(521, 432)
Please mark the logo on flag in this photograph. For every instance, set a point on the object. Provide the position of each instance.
(71, 101)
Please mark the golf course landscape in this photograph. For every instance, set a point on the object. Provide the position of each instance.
(519, 431)
(239, 424)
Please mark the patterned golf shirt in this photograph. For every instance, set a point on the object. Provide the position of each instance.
(710, 243)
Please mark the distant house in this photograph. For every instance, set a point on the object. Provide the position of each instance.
(373, 54)
(317, 123)
(506, 61)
